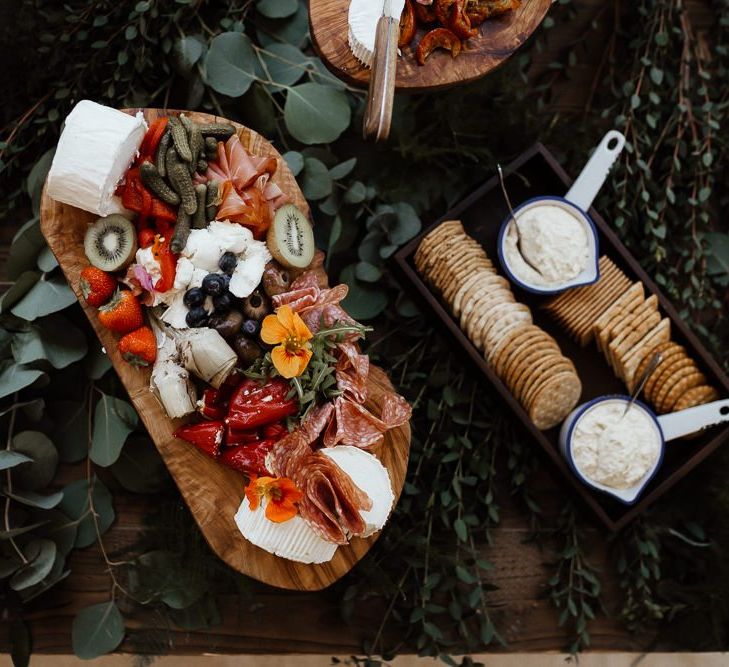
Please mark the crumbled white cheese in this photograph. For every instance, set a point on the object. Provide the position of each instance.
(552, 240)
(613, 450)
(96, 147)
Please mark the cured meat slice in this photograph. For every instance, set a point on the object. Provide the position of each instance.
(355, 425)
(351, 372)
(298, 299)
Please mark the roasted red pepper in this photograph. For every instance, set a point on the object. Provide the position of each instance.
(162, 211)
(146, 237)
(207, 436)
(152, 137)
(210, 406)
(407, 24)
(460, 24)
(235, 437)
(131, 193)
(253, 405)
(439, 38)
(275, 431)
(167, 262)
(249, 459)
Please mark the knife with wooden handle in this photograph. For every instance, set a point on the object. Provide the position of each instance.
(381, 93)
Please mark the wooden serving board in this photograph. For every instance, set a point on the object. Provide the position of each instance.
(212, 491)
(498, 39)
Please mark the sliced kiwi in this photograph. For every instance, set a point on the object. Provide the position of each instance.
(291, 238)
(111, 243)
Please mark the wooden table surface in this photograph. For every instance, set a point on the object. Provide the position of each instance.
(522, 614)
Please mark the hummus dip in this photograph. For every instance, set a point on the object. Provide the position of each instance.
(613, 450)
(553, 241)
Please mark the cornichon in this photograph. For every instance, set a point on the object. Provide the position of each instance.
(218, 130)
(179, 177)
(179, 138)
(199, 220)
(182, 231)
(194, 139)
(159, 158)
(211, 148)
(202, 166)
(152, 179)
(213, 199)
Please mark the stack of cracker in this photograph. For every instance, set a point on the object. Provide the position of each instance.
(527, 359)
(629, 330)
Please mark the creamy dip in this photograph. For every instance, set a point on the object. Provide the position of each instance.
(552, 240)
(613, 450)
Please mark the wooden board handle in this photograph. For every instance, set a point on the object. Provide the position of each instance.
(381, 94)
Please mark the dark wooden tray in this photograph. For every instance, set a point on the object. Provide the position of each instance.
(536, 173)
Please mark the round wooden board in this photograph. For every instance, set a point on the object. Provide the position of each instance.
(497, 40)
(211, 491)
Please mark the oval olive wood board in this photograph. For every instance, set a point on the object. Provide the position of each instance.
(211, 491)
(498, 39)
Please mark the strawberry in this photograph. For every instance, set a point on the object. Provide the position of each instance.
(139, 348)
(207, 436)
(122, 314)
(96, 285)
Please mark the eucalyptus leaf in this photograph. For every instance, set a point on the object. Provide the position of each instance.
(316, 182)
(10, 459)
(200, 615)
(75, 505)
(53, 339)
(27, 244)
(97, 630)
(718, 255)
(284, 64)
(70, 429)
(114, 420)
(161, 575)
(45, 297)
(18, 289)
(140, 468)
(40, 472)
(46, 260)
(259, 110)
(186, 52)
(343, 169)
(21, 643)
(33, 499)
(58, 573)
(14, 377)
(315, 113)
(295, 161)
(57, 527)
(96, 362)
(9, 565)
(40, 555)
(14, 532)
(231, 65)
(407, 226)
(291, 30)
(355, 194)
(277, 9)
(367, 272)
(362, 303)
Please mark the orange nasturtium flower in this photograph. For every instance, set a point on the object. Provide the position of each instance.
(287, 331)
(280, 493)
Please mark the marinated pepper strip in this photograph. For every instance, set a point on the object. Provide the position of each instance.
(152, 138)
(440, 38)
(253, 405)
(460, 24)
(248, 459)
(407, 25)
(167, 262)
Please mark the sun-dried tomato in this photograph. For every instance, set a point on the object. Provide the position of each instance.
(460, 24)
(407, 25)
(440, 38)
(480, 10)
(443, 11)
(425, 14)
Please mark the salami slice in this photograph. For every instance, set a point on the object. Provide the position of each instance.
(355, 425)
(351, 372)
(298, 299)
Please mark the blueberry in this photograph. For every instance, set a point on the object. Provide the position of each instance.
(251, 328)
(228, 262)
(213, 284)
(196, 317)
(194, 297)
(226, 280)
(222, 302)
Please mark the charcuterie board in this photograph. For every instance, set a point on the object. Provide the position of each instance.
(498, 39)
(536, 173)
(212, 492)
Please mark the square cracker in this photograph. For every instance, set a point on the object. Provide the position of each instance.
(621, 308)
(661, 333)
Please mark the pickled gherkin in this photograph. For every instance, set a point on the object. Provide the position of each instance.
(179, 138)
(179, 177)
(152, 179)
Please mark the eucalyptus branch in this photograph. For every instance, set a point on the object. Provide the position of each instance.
(9, 478)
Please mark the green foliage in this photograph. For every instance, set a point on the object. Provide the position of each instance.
(253, 62)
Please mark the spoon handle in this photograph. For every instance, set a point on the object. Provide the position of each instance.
(594, 173)
(685, 422)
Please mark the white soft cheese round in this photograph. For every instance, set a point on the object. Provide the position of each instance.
(369, 475)
(363, 17)
(613, 450)
(552, 240)
(96, 147)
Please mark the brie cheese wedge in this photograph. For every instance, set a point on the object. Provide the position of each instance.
(369, 475)
(363, 18)
(96, 147)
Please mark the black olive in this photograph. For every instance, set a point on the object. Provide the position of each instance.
(193, 297)
(227, 325)
(247, 350)
(227, 263)
(196, 317)
(256, 306)
(276, 279)
(222, 303)
(213, 284)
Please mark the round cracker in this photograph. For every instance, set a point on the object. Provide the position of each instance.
(658, 379)
(696, 396)
(664, 349)
(491, 337)
(532, 349)
(542, 375)
(526, 373)
(512, 342)
(555, 400)
(686, 381)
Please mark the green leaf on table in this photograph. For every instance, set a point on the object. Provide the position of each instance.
(367, 272)
(27, 244)
(315, 113)
(186, 51)
(18, 289)
(140, 468)
(20, 530)
(200, 615)
(343, 169)
(114, 420)
(57, 527)
(231, 65)
(40, 471)
(290, 30)
(57, 573)
(160, 575)
(40, 554)
(284, 64)
(295, 161)
(362, 302)
(718, 254)
(70, 429)
(53, 339)
(14, 377)
(97, 362)
(355, 194)
(46, 260)
(75, 505)
(277, 9)
(33, 499)
(21, 642)
(316, 182)
(44, 298)
(97, 630)
(10, 459)
(407, 225)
